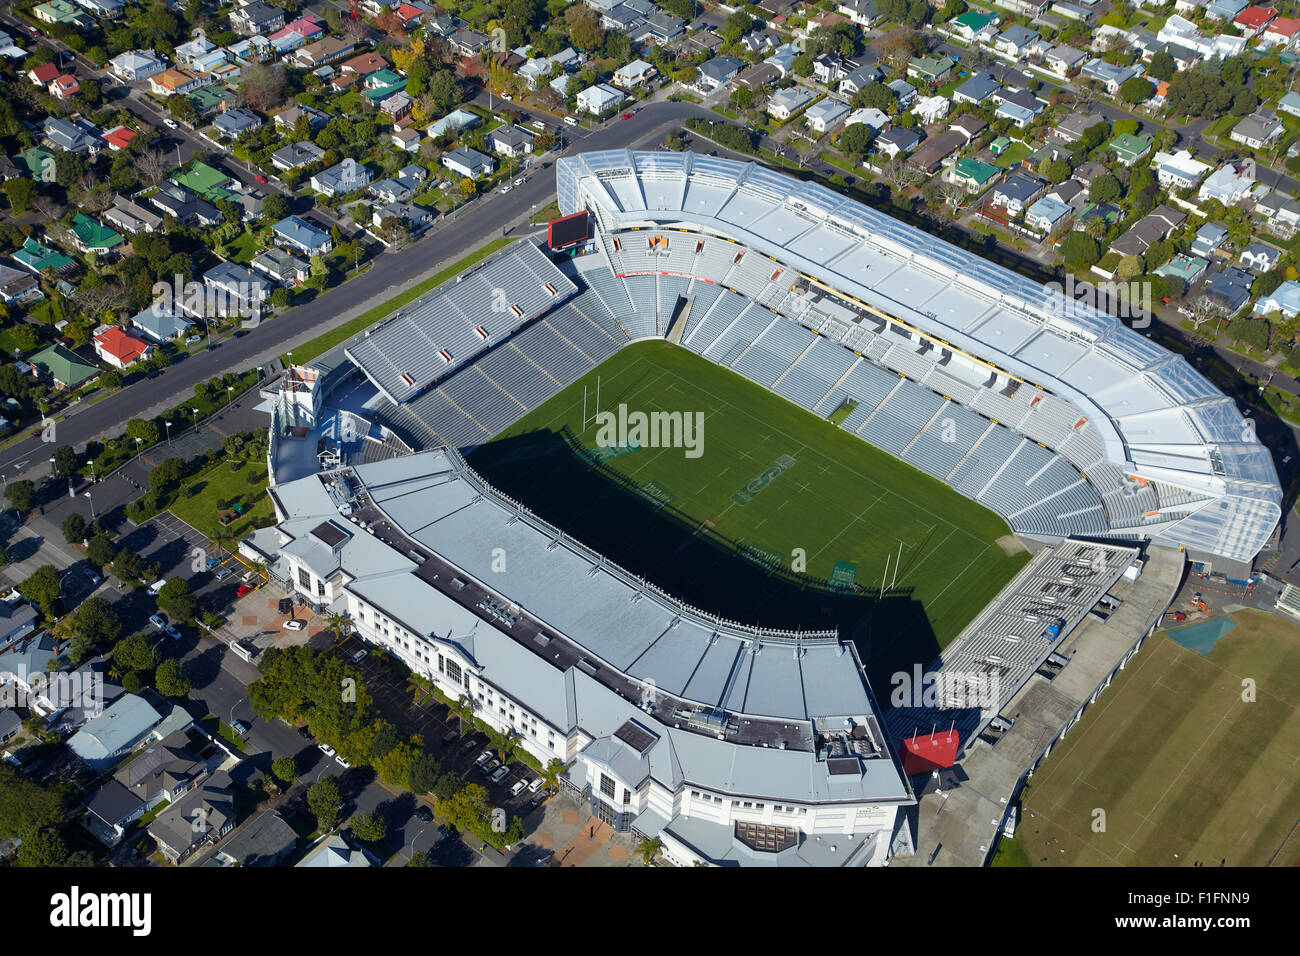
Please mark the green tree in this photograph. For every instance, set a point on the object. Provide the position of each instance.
(134, 653)
(1162, 66)
(445, 788)
(285, 769)
(22, 193)
(1078, 249)
(1105, 188)
(74, 528)
(369, 827)
(42, 587)
(1135, 90)
(22, 495)
(462, 709)
(94, 624)
(323, 800)
(175, 598)
(170, 679)
(423, 773)
(65, 461)
(275, 207)
(648, 848)
(855, 139)
(551, 774)
(43, 848)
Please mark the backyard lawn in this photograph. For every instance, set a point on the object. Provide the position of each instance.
(231, 481)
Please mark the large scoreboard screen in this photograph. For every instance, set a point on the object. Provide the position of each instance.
(568, 230)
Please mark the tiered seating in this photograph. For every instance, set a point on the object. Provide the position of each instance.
(611, 291)
(866, 384)
(451, 425)
(641, 290)
(810, 378)
(946, 440)
(751, 274)
(714, 260)
(512, 371)
(904, 358)
(774, 352)
(744, 330)
(584, 335)
(480, 397)
(1003, 408)
(706, 331)
(956, 389)
(557, 357)
(589, 304)
(984, 460)
(1050, 421)
(670, 287)
(702, 295)
(901, 417)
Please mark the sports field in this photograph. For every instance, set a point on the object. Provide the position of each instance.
(721, 530)
(1183, 767)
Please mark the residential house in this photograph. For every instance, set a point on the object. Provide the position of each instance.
(718, 72)
(861, 12)
(346, 177)
(470, 42)
(977, 89)
(1252, 20)
(333, 850)
(72, 136)
(897, 141)
(90, 236)
(1072, 128)
(599, 99)
(1289, 104)
(111, 809)
(1019, 106)
(265, 840)
(173, 81)
(131, 217)
(468, 162)
(758, 76)
(510, 141)
(930, 109)
(17, 617)
(10, 725)
(785, 103)
(1016, 192)
(64, 367)
(1064, 61)
(872, 117)
(160, 322)
(1186, 269)
(64, 86)
(286, 269)
(135, 65)
(857, 79)
(1015, 40)
(296, 154)
(175, 200)
(1260, 257)
(1230, 183)
(904, 92)
(18, 288)
(974, 175)
(969, 125)
(42, 259)
(256, 17)
(1229, 288)
(936, 150)
(324, 51)
(634, 74)
(1178, 170)
(119, 137)
(930, 69)
(974, 26)
(1208, 240)
(415, 218)
(234, 123)
(362, 66)
(1153, 227)
(1129, 148)
(239, 290)
(1259, 130)
(105, 739)
(212, 802)
(1047, 214)
(1285, 299)
(42, 75)
(1109, 75)
(119, 349)
(825, 115)
(1282, 32)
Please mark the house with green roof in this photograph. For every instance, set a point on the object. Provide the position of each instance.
(973, 25)
(39, 258)
(67, 368)
(932, 69)
(56, 11)
(205, 181)
(1000, 145)
(39, 163)
(1184, 267)
(383, 84)
(1129, 148)
(973, 174)
(89, 235)
(208, 99)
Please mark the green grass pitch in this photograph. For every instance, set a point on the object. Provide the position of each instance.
(1184, 768)
(679, 522)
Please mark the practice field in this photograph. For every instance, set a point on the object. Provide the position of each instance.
(771, 482)
(1178, 761)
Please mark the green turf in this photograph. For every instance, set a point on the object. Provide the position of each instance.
(674, 520)
(1178, 761)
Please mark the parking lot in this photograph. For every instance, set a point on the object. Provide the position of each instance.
(441, 732)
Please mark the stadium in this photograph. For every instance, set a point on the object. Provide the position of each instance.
(436, 479)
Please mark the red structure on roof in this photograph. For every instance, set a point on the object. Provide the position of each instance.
(932, 751)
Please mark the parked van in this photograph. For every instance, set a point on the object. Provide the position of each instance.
(156, 587)
(570, 121)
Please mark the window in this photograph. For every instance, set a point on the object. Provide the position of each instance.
(453, 670)
(607, 786)
(627, 796)
(320, 588)
(304, 579)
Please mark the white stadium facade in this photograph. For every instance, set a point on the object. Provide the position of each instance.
(733, 745)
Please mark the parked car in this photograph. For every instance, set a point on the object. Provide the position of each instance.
(326, 749)
(518, 788)
(342, 763)
(519, 181)
(505, 188)
(242, 590)
(223, 573)
(469, 745)
(627, 115)
(423, 814)
(156, 587)
(172, 631)
(240, 334)
(260, 178)
(248, 576)
(501, 771)
(294, 625)
(240, 728)
(158, 621)
(193, 339)
(358, 655)
(213, 562)
(483, 758)
(535, 785)
(449, 736)
(169, 122)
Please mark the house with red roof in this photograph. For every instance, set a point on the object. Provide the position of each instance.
(43, 74)
(119, 349)
(410, 15)
(363, 65)
(65, 86)
(1254, 19)
(119, 137)
(1283, 31)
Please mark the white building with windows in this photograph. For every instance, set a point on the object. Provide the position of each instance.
(638, 697)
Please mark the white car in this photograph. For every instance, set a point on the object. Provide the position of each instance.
(518, 788)
(507, 97)
(326, 749)
(294, 625)
(505, 188)
(535, 785)
(519, 182)
(169, 122)
(342, 763)
(155, 588)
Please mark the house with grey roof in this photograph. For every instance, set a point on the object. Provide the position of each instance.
(826, 114)
(1109, 75)
(341, 179)
(160, 322)
(1016, 192)
(1259, 130)
(236, 122)
(469, 162)
(1014, 40)
(718, 72)
(296, 154)
(977, 89)
(897, 140)
(131, 217)
(111, 809)
(10, 725)
(286, 269)
(239, 290)
(333, 851)
(105, 739)
(786, 102)
(200, 818)
(264, 840)
(1208, 240)
(1260, 257)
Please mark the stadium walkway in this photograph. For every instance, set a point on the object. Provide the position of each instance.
(957, 827)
